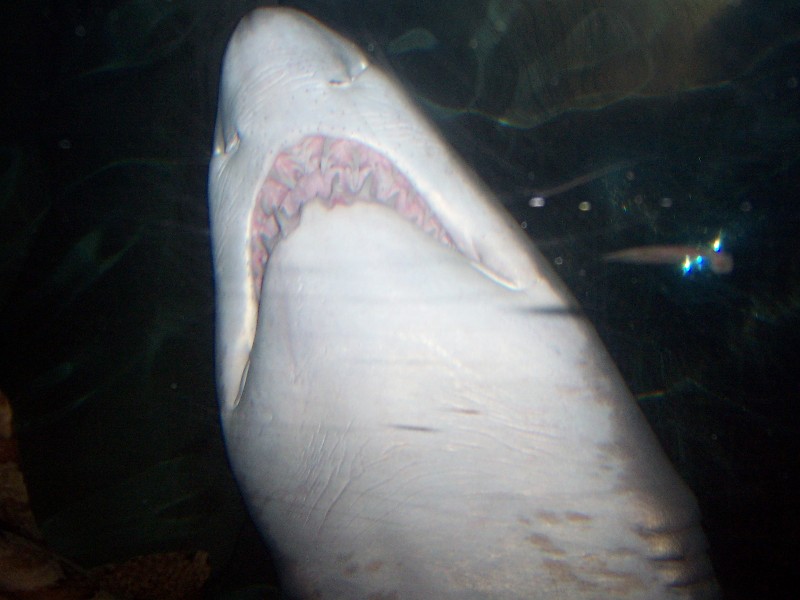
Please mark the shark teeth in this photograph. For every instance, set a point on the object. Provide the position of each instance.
(366, 192)
(287, 223)
(335, 172)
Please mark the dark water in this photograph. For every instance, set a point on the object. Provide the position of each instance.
(677, 134)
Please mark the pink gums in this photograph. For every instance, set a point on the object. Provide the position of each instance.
(334, 172)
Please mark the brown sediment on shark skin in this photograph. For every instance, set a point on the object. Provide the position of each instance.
(333, 171)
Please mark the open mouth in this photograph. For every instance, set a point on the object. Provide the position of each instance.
(333, 171)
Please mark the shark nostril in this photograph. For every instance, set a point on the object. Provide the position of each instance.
(232, 143)
(353, 65)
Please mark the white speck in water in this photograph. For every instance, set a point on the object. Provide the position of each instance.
(536, 202)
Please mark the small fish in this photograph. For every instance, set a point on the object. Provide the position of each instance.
(689, 258)
(544, 193)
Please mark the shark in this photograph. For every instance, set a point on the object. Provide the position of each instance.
(413, 404)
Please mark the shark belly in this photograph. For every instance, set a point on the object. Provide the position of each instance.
(413, 405)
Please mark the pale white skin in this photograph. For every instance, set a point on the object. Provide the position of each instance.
(408, 420)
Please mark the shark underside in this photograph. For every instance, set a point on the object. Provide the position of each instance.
(413, 404)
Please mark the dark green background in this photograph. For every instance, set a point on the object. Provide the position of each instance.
(106, 297)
